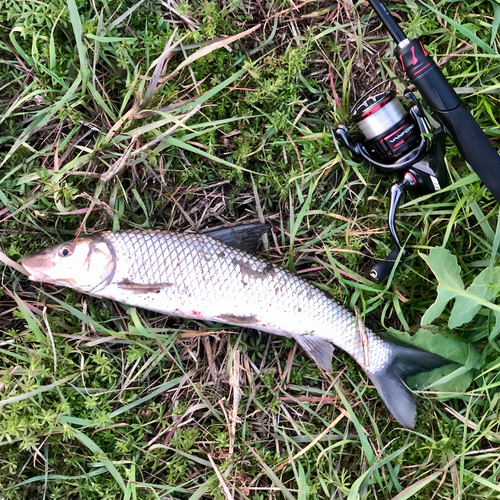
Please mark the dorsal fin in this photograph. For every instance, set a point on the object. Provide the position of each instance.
(245, 237)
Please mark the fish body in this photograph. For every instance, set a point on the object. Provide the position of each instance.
(197, 276)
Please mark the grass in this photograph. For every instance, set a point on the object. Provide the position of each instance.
(115, 115)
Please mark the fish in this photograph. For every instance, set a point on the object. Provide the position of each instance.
(209, 277)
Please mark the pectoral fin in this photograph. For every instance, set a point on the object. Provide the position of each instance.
(138, 288)
(320, 350)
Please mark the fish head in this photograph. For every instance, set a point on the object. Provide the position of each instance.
(87, 264)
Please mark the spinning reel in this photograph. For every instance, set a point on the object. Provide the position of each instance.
(397, 140)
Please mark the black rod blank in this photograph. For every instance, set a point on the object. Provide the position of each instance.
(388, 21)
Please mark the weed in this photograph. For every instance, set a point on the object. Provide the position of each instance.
(97, 131)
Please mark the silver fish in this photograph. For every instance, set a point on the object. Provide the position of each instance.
(199, 276)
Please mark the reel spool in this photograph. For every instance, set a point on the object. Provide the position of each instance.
(397, 140)
(388, 128)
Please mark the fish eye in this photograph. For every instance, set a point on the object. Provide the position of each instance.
(65, 251)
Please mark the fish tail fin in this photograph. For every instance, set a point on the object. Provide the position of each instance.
(391, 381)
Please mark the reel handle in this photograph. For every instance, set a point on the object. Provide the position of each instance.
(381, 270)
(397, 190)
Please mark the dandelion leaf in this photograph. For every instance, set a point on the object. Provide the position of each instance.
(483, 287)
(482, 292)
(448, 378)
(444, 296)
(445, 266)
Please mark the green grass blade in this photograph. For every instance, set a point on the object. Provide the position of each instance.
(416, 487)
(99, 99)
(39, 390)
(354, 493)
(462, 29)
(92, 446)
(80, 44)
(272, 476)
(496, 20)
(123, 16)
(172, 141)
(41, 119)
(62, 477)
(160, 389)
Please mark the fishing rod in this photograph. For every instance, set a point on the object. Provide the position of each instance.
(396, 140)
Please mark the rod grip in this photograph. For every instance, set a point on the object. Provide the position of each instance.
(474, 146)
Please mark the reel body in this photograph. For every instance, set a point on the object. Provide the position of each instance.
(389, 130)
(397, 140)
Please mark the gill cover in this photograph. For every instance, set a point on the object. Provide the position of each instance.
(87, 264)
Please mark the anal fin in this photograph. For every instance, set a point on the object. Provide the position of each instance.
(320, 350)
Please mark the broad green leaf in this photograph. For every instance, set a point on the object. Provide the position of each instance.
(464, 309)
(494, 332)
(448, 378)
(445, 266)
(453, 349)
(444, 296)
(468, 302)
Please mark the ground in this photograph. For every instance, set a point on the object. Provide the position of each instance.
(196, 115)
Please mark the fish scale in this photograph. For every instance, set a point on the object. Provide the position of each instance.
(208, 279)
(198, 276)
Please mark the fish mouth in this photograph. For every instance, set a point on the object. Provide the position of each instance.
(35, 274)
